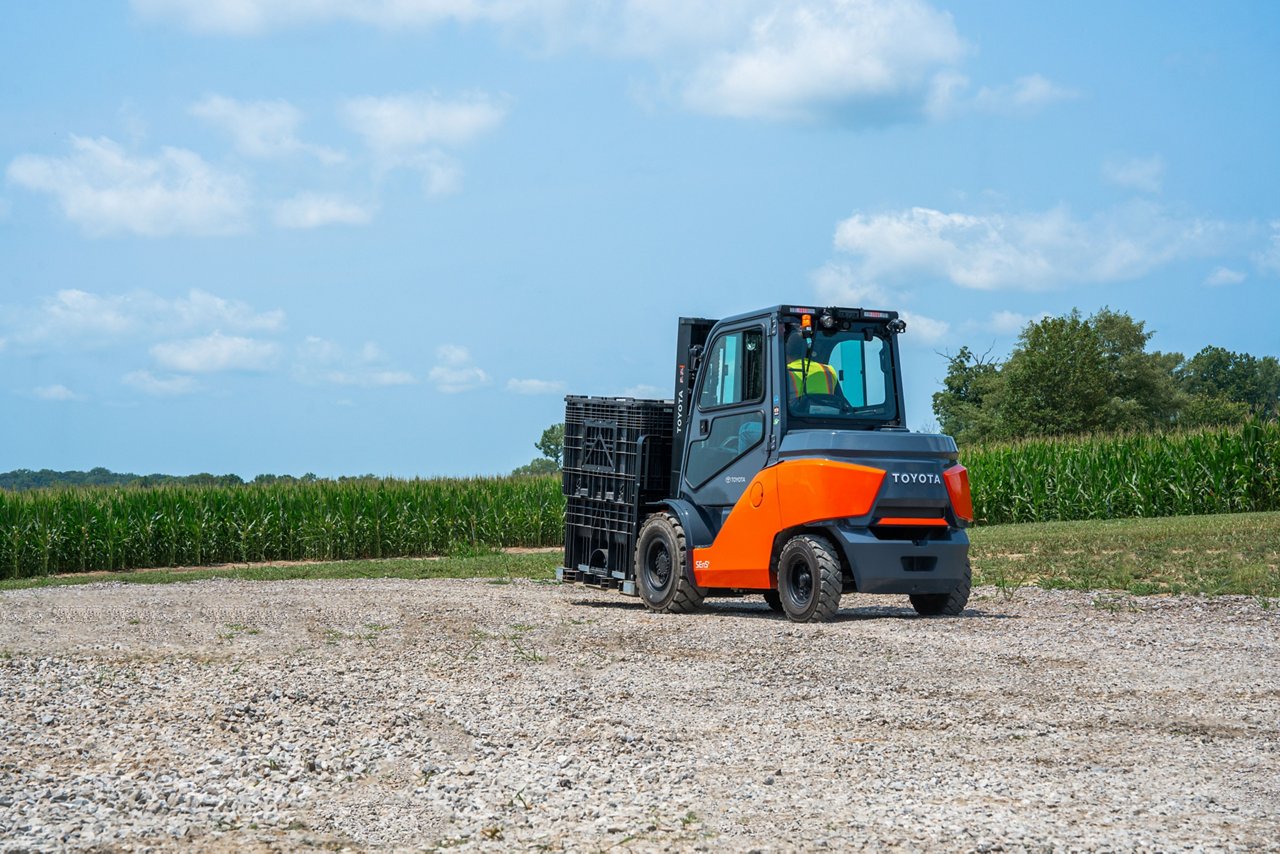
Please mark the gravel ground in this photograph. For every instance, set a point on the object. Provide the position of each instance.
(415, 714)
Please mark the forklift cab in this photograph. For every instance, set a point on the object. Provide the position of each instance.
(760, 376)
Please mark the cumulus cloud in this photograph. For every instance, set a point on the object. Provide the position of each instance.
(1224, 276)
(215, 353)
(536, 386)
(397, 124)
(800, 59)
(1136, 173)
(260, 128)
(160, 386)
(312, 210)
(455, 371)
(55, 393)
(864, 62)
(322, 360)
(840, 284)
(73, 317)
(1029, 250)
(105, 190)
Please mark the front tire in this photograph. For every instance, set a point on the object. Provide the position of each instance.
(809, 582)
(945, 604)
(660, 567)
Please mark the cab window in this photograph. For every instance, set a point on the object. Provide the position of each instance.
(733, 370)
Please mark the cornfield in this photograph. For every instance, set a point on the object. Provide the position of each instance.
(78, 530)
(1226, 470)
(1223, 470)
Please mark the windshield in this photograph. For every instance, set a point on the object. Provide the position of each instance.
(839, 377)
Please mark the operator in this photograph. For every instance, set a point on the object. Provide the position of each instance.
(808, 375)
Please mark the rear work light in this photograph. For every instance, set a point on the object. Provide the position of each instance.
(957, 480)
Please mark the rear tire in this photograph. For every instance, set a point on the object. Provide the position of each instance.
(809, 581)
(660, 567)
(945, 604)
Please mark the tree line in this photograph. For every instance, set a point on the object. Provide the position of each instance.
(1072, 374)
(19, 480)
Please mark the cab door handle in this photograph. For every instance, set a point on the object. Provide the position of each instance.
(704, 427)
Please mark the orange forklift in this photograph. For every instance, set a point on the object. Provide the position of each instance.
(782, 466)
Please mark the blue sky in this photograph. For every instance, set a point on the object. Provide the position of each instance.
(388, 236)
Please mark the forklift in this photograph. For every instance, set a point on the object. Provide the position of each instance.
(782, 466)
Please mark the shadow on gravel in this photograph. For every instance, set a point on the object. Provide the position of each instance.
(730, 608)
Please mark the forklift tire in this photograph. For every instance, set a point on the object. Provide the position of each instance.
(809, 581)
(773, 600)
(660, 567)
(944, 604)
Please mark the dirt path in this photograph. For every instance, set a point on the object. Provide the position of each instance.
(411, 714)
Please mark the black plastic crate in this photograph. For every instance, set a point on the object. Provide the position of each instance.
(617, 449)
(617, 464)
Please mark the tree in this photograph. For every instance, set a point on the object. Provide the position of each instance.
(1055, 380)
(961, 406)
(1141, 388)
(1071, 374)
(552, 447)
(1216, 375)
(552, 443)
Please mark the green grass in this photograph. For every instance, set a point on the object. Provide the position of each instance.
(1225, 554)
(540, 567)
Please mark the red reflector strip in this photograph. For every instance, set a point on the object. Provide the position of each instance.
(906, 520)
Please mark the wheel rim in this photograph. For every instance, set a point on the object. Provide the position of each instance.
(800, 582)
(657, 565)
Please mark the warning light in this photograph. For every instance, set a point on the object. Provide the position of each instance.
(807, 321)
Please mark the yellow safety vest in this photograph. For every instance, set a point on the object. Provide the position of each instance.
(820, 379)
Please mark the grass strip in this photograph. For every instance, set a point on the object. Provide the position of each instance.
(1237, 553)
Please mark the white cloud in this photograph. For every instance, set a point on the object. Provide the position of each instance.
(260, 128)
(536, 386)
(1136, 173)
(1224, 276)
(398, 124)
(216, 352)
(1030, 250)
(1268, 259)
(105, 190)
(926, 330)
(322, 360)
(1011, 322)
(166, 386)
(74, 317)
(55, 393)
(1025, 95)
(312, 210)
(645, 391)
(441, 174)
(253, 17)
(840, 284)
(800, 60)
(867, 62)
(455, 370)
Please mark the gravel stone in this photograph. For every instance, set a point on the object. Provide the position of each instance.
(403, 715)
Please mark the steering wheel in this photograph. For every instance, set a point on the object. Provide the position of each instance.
(804, 404)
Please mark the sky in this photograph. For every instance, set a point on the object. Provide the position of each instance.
(388, 236)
